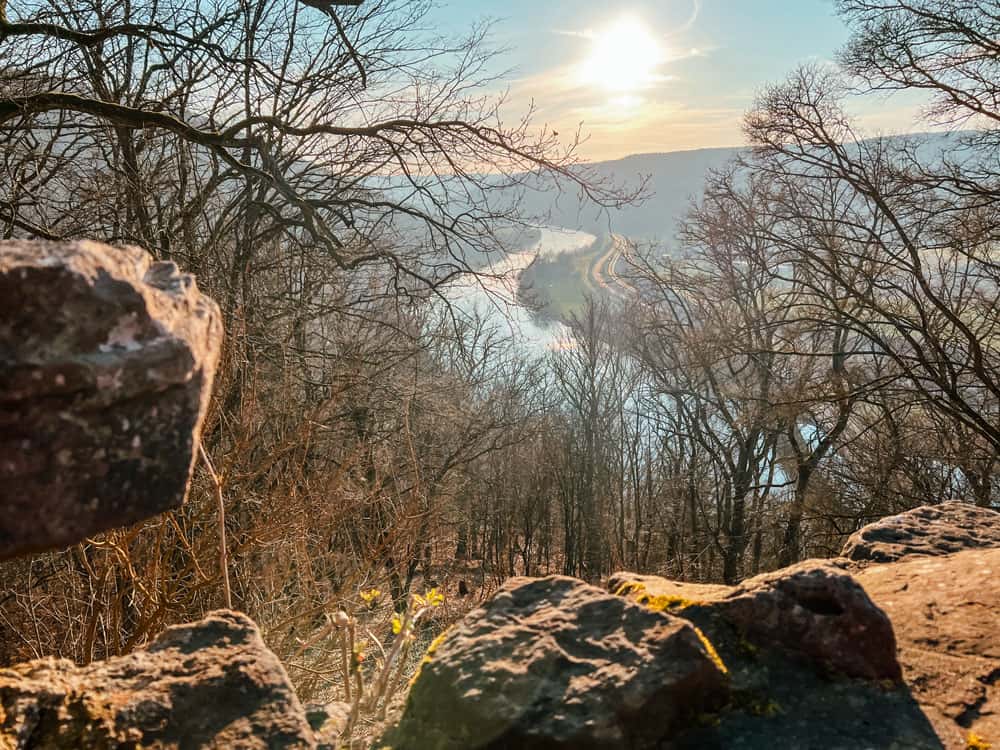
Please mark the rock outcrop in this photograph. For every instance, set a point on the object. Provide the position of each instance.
(556, 663)
(839, 654)
(813, 609)
(933, 573)
(945, 609)
(210, 684)
(812, 661)
(930, 530)
(106, 365)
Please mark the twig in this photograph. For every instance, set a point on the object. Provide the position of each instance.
(346, 647)
(223, 554)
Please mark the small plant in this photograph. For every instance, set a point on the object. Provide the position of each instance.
(374, 699)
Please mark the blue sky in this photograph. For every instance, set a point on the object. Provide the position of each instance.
(716, 54)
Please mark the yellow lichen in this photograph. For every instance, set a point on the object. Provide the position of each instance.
(435, 644)
(666, 603)
(658, 602)
(975, 742)
(765, 708)
(710, 650)
(630, 587)
(429, 654)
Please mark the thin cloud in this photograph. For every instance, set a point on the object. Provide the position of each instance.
(683, 28)
(584, 34)
(692, 18)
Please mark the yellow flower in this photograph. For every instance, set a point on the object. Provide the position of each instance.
(434, 598)
(397, 625)
(370, 597)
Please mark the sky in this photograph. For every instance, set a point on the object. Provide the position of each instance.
(657, 75)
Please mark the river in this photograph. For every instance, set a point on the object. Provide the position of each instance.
(494, 295)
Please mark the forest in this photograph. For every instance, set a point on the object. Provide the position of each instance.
(819, 348)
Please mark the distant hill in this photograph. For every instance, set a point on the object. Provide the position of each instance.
(674, 179)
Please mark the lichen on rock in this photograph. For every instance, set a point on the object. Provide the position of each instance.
(814, 609)
(557, 663)
(209, 684)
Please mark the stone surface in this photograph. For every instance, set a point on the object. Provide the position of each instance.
(328, 721)
(817, 609)
(210, 684)
(925, 531)
(556, 663)
(811, 660)
(946, 614)
(814, 609)
(941, 591)
(838, 655)
(106, 365)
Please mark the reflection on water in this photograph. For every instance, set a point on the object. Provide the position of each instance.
(494, 295)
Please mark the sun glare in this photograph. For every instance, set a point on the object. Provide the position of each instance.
(624, 57)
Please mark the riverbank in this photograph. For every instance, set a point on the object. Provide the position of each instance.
(494, 294)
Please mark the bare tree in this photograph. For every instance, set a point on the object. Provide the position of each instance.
(912, 269)
(706, 336)
(591, 378)
(349, 135)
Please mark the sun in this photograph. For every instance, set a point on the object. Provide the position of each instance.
(624, 57)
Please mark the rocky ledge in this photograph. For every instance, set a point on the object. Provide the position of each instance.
(209, 684)
(835, 654)
(839, 654)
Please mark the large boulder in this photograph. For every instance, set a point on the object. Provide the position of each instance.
(941, 592)
(106, 366)
(557, 663)
(211, 684)
(929, 530)
(946, 614)
(812, 662)
(814, 609)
